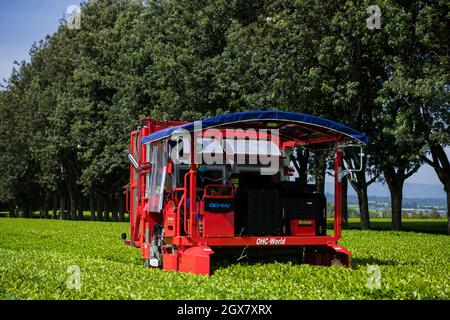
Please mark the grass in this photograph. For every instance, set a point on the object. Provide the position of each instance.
(35, 256)
(35, 215)
(435, 226)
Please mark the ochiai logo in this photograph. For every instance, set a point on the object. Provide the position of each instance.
(220, 205)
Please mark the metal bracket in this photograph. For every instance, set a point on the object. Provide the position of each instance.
(353, 176)
(361, 157)
(133, 161)
(342, 174)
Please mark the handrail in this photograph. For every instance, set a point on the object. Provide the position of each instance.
(173, 193)
(185, 202)
(225, 186)
(179, 213)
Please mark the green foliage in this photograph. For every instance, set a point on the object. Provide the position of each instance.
(65, 117)
(35, 256)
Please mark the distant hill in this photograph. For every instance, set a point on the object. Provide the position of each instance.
(410, 190)
(407, 202)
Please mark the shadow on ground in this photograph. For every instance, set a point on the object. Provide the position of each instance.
(226, 258)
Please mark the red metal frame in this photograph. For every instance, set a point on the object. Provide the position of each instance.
(190, 251)
(255, 241)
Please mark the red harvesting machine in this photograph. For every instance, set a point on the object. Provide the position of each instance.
(228, 184)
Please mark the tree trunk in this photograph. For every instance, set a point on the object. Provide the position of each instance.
(364, 208)
(62, 203)
(45, 206)
(91, 206)
(27, 210)
(40, 207)
(320, 182)
(99, 208)
(73, 202)
(441, 166)
(395, 180)
(303, 160)
(344, 205)
(447, 192)
(12, 208)
(67, 213)
(55, 206)
(106, 207)
(115, 209)
(396, 207)
(360, 186)
(121, 210)
(80, 207)
(320, 167)
(396, 190)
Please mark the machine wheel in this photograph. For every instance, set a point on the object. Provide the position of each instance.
(156, 253)
(336, 263)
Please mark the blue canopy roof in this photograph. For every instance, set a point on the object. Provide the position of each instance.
(290, 122)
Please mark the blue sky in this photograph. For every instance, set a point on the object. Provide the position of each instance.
(23, 22)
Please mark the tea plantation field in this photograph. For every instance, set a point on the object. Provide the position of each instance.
(36, 255)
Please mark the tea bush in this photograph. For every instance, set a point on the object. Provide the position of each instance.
(35, 256)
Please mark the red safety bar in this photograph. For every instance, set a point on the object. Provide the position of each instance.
(127, 205)
(224, 186)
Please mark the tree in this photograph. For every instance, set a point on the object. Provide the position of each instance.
(418, 85)
(84, 90)
(17, 169)
(348, 75)
(396, 159)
